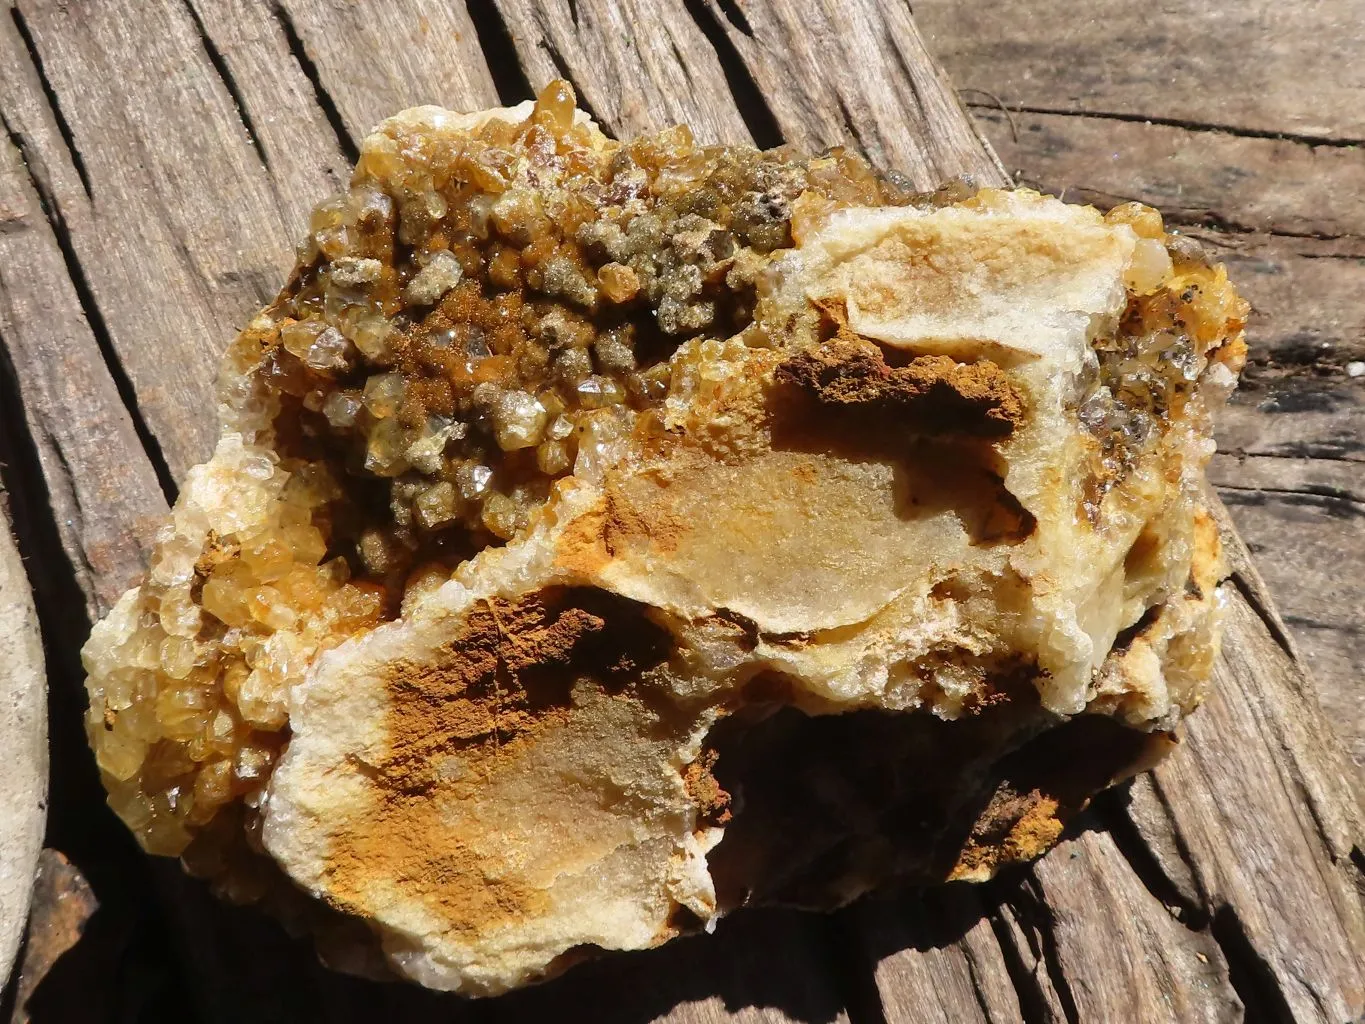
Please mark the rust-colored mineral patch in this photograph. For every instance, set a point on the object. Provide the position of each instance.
(937, 394)
(456, 721)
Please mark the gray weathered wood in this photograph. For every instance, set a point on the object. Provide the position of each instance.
(629, 79)
(1077, 105)
(936, 957)
(857, 75)
(371, 59)
(170, 216)
(1288, 68)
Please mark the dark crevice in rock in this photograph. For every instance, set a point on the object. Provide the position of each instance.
(1251, 976)
(94, 317)
(345, 142)
(500, 51)
(219, 63)
(50, 94)
(753, 108)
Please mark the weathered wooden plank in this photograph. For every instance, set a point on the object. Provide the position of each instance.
(370, 60)
(631, 81)
(857, 74)
(1258, 66)
(249, 45)
(1160, 969)
(1278, 883)
(1246, 183)
(102, 489)
(1304, 519)
(1300, 416)
(171, 216)
(936, 958)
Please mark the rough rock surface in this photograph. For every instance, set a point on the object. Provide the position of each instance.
(23, 738)
(605, 535)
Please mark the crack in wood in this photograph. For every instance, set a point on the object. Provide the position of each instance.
(50, 94)
(99, 329)
(1309, 491)
(1189, 125)
(1145, 866)
(1251, 976)
(504, 63)
(851, 124)
(330, 111)
(1033, 908)
(1304, 622)
(24, 468)
(758, 116)
(1033, 1002)
(234, 92)
(1336, 506)
(855, 985)
(734, 14)
(1271, 621)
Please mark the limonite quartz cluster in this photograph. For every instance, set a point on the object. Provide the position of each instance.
(604, 535)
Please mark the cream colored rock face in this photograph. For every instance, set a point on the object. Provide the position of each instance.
(929, 457)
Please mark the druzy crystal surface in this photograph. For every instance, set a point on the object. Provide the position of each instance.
(604, 535)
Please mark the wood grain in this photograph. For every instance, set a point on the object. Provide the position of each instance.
(629, 79)
(151, 217)
(1247, 139)
(1287, 68)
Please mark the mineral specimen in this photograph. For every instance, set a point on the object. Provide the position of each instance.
(605, 535)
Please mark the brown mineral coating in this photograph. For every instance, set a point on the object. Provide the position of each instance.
(507, 677)
(510, 669)
(930, 393)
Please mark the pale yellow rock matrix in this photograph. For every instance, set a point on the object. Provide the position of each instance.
(603, 535)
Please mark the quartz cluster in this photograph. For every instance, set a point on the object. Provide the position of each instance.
(604, 535)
